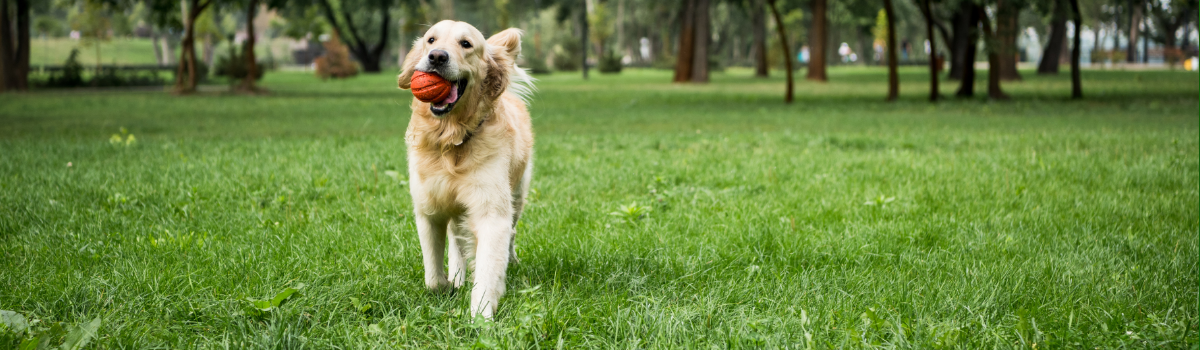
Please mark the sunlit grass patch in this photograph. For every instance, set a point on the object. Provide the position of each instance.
(661, 216)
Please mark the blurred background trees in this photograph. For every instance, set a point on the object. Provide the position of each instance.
(691, 37)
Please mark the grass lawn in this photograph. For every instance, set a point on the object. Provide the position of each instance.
(128, 51)
(837, 221)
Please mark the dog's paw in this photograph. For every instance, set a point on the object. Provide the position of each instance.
(459, 280)
(439, 286)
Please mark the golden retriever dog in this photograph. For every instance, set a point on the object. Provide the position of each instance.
(470, 157)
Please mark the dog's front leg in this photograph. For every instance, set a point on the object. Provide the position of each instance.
(494, 233)
(460, 252)
(432, 232)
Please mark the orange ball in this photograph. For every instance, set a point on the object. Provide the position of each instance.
(430, 87)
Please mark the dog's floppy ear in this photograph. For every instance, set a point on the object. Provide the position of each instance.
(507, 41)
(502, 51)
(404, 80)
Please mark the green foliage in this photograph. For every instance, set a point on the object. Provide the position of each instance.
(360, 306)
(881, 201)
(600, 25)
(299, 22)
(71, 74)
(232, 66)
(567, 56)
(93, 19)
(207, 25)
(610, 63)
(880, 30)
(123, 139)
(44, 25)
(263, 308)
(13, 328)
(631, 212)
(797, 33)
(536, 65)
(17, 333)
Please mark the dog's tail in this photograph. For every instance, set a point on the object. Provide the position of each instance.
(521, 84)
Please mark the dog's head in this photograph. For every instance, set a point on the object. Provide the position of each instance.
(478, 69)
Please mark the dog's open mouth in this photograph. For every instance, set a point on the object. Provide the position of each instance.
(442, 107)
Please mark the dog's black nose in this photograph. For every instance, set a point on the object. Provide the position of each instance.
(438, 57)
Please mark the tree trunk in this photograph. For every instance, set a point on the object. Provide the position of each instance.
(965, 42)
(968, 38)
(158, 54)
(944, 33)
(893, 77)
(994, 53)
(787, 52)
(700, 42)
(687, 38)
(1006, 31)
(1077, 19)
(1135, 18)
(209, 46)
(1169, 36)
(1052, 53)
(620, 27)
(1116, 33)
(169, 48)
(185, 75)
(758, 22)
(1146, 42)
(1187, 34)
(369, 57)
(384, 32)
(818, 42)
(21, 76)
(583, 39)
(933, 64)
(248, 49)
(7, 57)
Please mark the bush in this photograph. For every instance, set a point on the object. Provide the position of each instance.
(610, 64)
(537, 65)
(71, 74)
(233, 66)
(566, 56)
(201, 71)
(336, 62)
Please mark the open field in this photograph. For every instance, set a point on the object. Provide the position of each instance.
(838, 221)
(127, 51)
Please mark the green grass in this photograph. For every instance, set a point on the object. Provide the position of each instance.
(121, 51)
(838, 221)
(128, 51)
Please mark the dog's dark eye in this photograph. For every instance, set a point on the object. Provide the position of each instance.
(431, 40)
(465, 44)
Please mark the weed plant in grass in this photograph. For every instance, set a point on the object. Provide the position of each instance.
(838, 222)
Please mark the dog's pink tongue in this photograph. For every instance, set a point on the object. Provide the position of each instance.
(453, 96)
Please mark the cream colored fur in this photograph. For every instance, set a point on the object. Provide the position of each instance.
(470, 190)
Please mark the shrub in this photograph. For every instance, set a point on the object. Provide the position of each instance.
(233, 66)
(566, 56)
(1173, 56)
(71, 74)
(336, 62)
(610, 63)
(537, 65)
